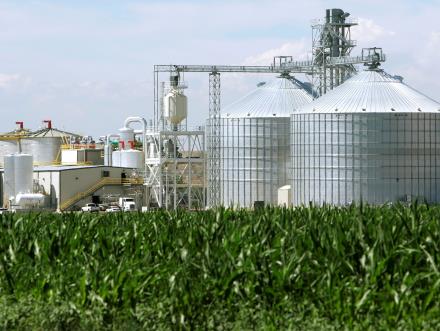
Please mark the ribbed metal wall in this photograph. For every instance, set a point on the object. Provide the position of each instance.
(254, 142)
(7, 147)
(45, 150)
(255, 154)
(374, 158)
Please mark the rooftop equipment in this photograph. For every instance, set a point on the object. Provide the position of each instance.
(254, 142)
(373, 139)
(175, 159)
(44, 144)
(175, 107)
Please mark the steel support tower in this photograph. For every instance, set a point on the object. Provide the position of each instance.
(330, 66)
(331, 40)
(213, 166)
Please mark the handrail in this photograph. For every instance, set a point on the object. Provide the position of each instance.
(101, 183)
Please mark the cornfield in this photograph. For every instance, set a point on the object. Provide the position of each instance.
(311, 268)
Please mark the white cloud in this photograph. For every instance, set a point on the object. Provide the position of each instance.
(369, 31)
(12, 80)
(434, 40)
(298, 49)
(89, 58)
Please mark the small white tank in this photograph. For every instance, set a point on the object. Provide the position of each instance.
(126, 135)
(132, 159)
(116, 158)
(23, 173)
(152, 150)
(18, 175)
(107, 152)
(45, 150)
(8, 147)
(175, 106)
(29, 201)
(9, 178)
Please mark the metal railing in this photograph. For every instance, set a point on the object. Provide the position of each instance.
(98, 185)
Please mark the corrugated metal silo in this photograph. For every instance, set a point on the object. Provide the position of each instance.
(44, 145)
(254, 143)
(373, 139)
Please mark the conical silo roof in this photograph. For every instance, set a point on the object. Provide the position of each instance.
(52, 133)
(277, 98)
(373, 91)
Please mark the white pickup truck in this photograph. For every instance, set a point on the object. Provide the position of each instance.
(127, 204)
(90, 207)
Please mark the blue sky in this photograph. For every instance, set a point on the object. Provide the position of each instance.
(88, 64)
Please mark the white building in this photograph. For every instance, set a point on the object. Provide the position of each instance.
(70, 187)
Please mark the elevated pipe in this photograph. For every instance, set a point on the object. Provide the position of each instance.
(108, 149)
(143, 122)
(48, 124)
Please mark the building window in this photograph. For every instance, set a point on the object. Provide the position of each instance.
(105, 173)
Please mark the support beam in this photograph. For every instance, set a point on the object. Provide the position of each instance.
(214, 141)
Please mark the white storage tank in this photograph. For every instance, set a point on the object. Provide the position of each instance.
(254, 142)
(10, 141)
(18, 175)
(132, 159)
(45, 149)
(126, 136)
(8, 146)
(23, 173)
(8, 179)
(29, 201)
(116, 158)
(175, 105)
(373, 139)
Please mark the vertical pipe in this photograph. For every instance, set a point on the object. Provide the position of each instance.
(108, 149)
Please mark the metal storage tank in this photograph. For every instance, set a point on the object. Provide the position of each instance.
(8, 179)
(8, 145)
(126, 137)
(254, 142)
(44, 145)
(132, 158)
(373, 139)
(17, 176)
(116, 158)
(175, 106)
(10, 141)
(23, 173)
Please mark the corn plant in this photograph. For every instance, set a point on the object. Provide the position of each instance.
(355, 267)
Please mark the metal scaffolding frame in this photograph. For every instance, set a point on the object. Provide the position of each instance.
(175, 169)
(213, 166)
(330, 66)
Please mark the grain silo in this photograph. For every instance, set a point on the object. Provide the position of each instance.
(254, 142)
(372, 139)
(9, 142)
(44, 144)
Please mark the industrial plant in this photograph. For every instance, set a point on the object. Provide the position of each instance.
(349, 133)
